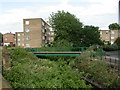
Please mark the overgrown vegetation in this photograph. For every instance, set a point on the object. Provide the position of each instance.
(113, 47)
(97, 71)
(28, 71)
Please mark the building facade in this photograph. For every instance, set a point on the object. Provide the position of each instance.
(109, 36)
(36, 33)
(9, 39)
(19, 39)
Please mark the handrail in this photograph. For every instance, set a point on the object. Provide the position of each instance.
(53, 49)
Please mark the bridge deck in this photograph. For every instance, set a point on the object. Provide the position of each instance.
(57, 53)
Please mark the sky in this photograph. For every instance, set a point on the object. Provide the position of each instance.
(99, 13)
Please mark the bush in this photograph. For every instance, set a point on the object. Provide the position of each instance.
(41, 73)
(113, 47)
(97, 71)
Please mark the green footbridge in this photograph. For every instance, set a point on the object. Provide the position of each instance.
(57, 51)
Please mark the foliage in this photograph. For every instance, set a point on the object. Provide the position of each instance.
(118, 42)
(114, 26)
(0, 37)
(90, 36)
(97, 71)
(41, 73)
(69, 28)
(66, 26)
(112, 47)
(62, 43)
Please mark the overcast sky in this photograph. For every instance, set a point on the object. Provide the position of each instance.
(99, 13)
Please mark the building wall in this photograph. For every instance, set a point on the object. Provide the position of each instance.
(109, 35)
(36, 33)
(20, 39)
(32, 31)
(8, 38)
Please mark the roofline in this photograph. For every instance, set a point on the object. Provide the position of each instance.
(37, 18)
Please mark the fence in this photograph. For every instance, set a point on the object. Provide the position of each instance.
(57, 49)
(112, 61)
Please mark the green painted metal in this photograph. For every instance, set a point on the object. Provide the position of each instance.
(57, 49)
(41, 54)
(53, 50)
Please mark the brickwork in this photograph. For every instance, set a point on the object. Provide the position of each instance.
(9, 38)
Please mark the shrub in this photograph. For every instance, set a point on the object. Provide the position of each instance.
(97, 71)
(41, 73)
(113, 47)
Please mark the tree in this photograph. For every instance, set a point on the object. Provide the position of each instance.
(1, 38)
(66, 26)
(114, 26)
(69, 28)
(117, 42)
(91, 36)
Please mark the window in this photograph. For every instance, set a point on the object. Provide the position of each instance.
(27, 38)
(112, 42)
(27, 22)
(52, 38)
(18, 44)
(101, 32)
(106, 37)
(43, 30)
(51, 29)
(112, 37)
(6, 39)
(52, 33)
(23, 34)
(45, 41)
(43, 37)
(23, 44)
(27, 30)
(18, 34)
(18, 39)
(106, 32)
(27, 45)
(112, 32)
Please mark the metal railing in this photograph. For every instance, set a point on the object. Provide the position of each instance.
(57, 49)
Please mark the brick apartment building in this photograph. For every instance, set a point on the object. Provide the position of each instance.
(109, 36)
(19, 39)
(36, 33)
(9, 39)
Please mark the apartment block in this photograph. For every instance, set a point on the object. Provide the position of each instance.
(9, 39)
(109, 36)
(19, 39)
(37, 33)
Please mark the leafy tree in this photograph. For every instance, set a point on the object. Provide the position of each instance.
(118, 42)
(0, 37)
(114, 26)
(69, 28)
(90, 36)
(66, 26)
(62, 43)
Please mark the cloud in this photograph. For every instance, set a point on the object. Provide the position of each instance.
(101, 13)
